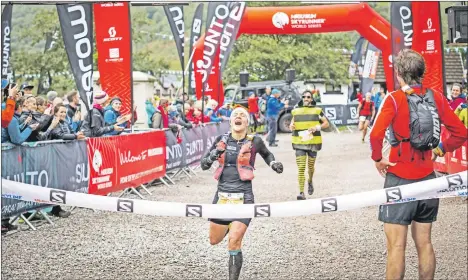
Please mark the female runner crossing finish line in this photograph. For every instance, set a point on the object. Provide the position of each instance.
(235, 151)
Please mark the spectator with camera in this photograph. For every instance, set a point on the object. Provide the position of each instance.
(94, 124)
(27, 89)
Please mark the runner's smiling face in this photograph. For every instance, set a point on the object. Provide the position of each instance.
(239, 120)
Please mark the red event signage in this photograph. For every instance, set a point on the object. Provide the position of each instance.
(113, 44)
(427, 40)
(125, 161)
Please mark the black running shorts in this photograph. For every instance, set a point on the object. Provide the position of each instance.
(421, 211)
(248, 199)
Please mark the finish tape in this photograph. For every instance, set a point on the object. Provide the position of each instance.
(447, 186)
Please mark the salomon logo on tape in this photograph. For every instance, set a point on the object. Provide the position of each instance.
(393, 195)
(193, 211)
(329, 205)
(125, 205)
(454, 181)
(58, 196)
(262, 210)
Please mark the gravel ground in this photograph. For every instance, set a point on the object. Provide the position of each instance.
(342, 245)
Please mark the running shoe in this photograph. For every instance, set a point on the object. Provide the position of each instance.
(311, 188)
(301, 196)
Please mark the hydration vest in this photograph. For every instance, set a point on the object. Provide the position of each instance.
(243, 163)
(424, 122)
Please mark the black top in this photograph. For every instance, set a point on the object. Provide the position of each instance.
(229, 180)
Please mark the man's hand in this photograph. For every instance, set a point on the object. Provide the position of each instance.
(277, 167)
(28, 119)
(383, 165)
(80, 135)
(118, 128)
(315, 128)
(54, 123)
(13, 91)
(438, 152)
(77, 116)
(292, 127)
(34, 126)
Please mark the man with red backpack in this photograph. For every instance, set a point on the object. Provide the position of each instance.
(366, 112)
(413, 114)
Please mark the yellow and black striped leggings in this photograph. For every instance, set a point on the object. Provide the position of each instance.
(303, 156)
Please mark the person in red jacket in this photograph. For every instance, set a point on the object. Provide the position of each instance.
(253, 110)
(407, 165)
(11, 94)
(366, 112)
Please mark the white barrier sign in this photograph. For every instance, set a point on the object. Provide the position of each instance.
(447, 186)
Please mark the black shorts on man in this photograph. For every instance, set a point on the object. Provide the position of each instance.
(421, 211)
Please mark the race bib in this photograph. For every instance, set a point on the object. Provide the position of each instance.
(230, 198)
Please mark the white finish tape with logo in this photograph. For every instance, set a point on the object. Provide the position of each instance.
(447, 186)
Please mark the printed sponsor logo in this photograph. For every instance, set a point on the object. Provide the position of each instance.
(58, 196)
(330, 113)
(455, 183)
(155, 152)
(407, 25)
(124, 205)
(193, 210)
(353, 111)
(393, 194)
(83, 49)
(280, 20)
(11, 196)
(126, 157)
(430, 45)
(329, 205)
(429, 27)
(112, 35)
(97, 160)
(262, 210)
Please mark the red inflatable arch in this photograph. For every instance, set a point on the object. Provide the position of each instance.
(305, 20)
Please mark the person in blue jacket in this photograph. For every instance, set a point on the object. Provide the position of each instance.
(150, 110)
(17, 133)
(273, 109)
(113, 116)
(213, 113)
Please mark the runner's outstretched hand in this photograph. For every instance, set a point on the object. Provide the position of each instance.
(277, 167)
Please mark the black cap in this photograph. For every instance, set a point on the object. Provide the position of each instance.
(26, 86)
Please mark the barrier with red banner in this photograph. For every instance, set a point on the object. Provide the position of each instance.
(125, 161)
(113, 44)
(452, 162)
